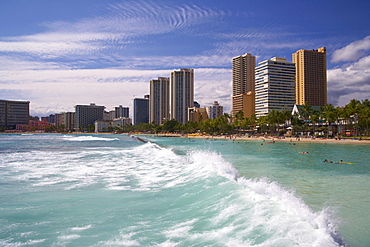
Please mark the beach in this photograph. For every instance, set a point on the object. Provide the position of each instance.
(269, 138)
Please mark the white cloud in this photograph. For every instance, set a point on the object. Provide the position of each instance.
(350, 82)
(53, 91)
(353, 51)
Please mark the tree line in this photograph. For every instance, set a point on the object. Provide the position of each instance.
(354, 116)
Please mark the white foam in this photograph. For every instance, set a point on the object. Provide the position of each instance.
(82, 228)
(69, 237)
(276, 211)
(242, 208)
(122, 240)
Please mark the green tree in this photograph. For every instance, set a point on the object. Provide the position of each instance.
(364, 115)
(329, 114)
(351, 111)
(170, 126)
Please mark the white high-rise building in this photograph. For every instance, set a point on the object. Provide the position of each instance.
(182, 94)
(275, 86)
(159, 100)
(215, 110)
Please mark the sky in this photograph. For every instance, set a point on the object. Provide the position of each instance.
(58, 54)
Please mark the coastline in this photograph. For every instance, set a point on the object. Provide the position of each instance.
(266, 139)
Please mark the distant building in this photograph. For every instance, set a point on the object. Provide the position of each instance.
(182, 94)
(121, 122)
(51, 118)
(68, 120)
(86, 115)
(159, 101)
(58, 119)
(13, 113)
(215, 110)
(141, 110)
(109, 115)
(275, 86)
(121, 112)
(196, 104)
(197, 114)
(108, 125)
(102, 125)
(244, 103)
(311, 78)
(34, 126)
(243, 82)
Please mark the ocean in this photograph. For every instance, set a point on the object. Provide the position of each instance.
(113, 190)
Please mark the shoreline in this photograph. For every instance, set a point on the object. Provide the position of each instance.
(266, 139)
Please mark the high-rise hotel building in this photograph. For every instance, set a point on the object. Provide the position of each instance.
(311, 80)
(275, 86)
(86, 115)
(181, 94)
(141, 110)
(159, 101)
(13, 113)
(243, 83)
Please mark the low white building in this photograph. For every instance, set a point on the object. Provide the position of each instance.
(215, 110)
(102, 125)
(122, 121)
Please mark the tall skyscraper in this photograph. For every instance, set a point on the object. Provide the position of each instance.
(159, 101)
(86, 115)
(182, 94)
(311, 80)
(141, 110)
(243, 82)
(275, 86)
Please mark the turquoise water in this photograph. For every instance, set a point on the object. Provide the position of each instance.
(112, 190)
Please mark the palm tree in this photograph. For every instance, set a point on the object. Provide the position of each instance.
(274, 118)
(329, 114)
(364, 115)
(306, 112)
(351, 111)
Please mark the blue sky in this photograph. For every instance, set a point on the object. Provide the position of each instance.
(58, 54)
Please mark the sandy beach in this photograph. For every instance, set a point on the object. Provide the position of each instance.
(269, 139)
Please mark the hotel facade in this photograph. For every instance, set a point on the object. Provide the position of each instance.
(275, 86)
(181, 94)
(311, 78)
(141, 110)
(13, 113)
(159, 101)
(243, 84)
(86, 115)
